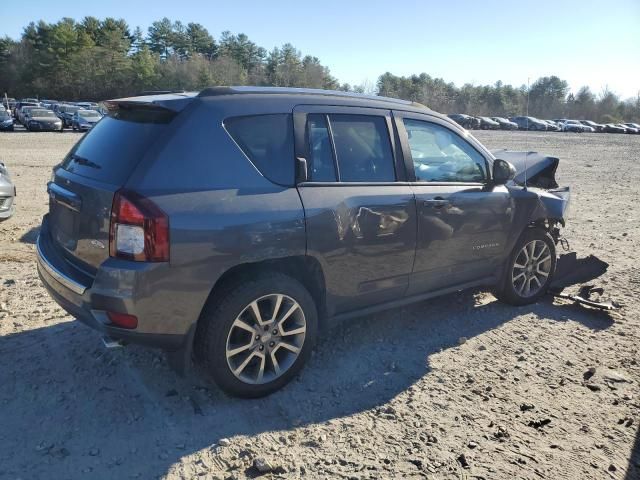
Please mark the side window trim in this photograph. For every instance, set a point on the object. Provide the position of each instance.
(398, 118)
(300, 113)
(336, 165)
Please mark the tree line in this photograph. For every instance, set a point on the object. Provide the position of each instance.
(547, 97)
(96, 59)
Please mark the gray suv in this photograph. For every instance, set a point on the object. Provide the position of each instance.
(230, 224)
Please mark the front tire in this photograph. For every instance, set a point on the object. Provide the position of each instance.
(256, 334)
(529, 268)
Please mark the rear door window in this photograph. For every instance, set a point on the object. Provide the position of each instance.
(363, 148)
(321, 161)
(267, 140)
(117, 143)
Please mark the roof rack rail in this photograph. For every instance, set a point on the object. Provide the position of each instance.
(157, 92)
(232, 90)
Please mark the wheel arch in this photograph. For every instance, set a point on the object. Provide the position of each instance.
(303, 268)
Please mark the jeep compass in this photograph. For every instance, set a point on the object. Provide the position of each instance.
(227, 225)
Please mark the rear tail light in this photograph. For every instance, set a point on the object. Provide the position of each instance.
(123, 320)
(139, 230)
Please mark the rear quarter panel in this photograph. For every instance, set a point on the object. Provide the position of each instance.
(222, 211)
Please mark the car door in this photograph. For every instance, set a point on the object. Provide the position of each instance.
(463, 220)
(360, 213)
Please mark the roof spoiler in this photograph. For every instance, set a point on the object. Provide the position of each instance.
(174, 102)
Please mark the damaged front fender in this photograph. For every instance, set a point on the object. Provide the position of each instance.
(542, 199)
(552, 204)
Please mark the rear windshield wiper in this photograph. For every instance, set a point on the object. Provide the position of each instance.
(84, 161)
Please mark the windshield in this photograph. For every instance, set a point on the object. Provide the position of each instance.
(88, 113)
(4, 115)
(42, 113)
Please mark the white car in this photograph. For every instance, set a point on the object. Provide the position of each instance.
(7, 194)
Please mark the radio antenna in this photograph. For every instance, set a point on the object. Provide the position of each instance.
(526, 139)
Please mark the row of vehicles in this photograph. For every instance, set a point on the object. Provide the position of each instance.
(49, 115)
(535, 124)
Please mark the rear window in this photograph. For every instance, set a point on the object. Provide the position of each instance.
(113, 148)
(267, 140)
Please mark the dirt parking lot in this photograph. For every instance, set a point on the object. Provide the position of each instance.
(392, 395)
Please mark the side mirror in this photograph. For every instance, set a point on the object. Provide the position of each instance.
(503, 171)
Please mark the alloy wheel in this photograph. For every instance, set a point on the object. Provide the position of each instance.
(265, 340)
(531, 268)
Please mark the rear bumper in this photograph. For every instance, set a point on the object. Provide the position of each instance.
(83, 297)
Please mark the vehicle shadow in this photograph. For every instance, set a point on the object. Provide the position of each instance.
(633, 469)
(69, 407)
(30, 236)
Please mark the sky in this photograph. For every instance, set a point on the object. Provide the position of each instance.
(587, 42)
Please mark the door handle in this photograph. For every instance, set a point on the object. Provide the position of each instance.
(435, 203)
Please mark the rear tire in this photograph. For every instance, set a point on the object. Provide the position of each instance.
(256, 334)
(529, 268)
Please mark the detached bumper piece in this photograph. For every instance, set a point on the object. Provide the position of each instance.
(584, 298)
(572, 270)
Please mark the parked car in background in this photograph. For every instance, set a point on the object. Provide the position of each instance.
(87, 105)
(505, 124)
(487, 123)
(9, 103)
(7, 194)
(599, 127)
(552, 126)
(42, 120)
(529, 123)
(6, 121)
(465, 121)
(48, 103)
(613, 128)
(627, 129)
(85, 119)
(633, 125)
(475, 123)
(571, 125)
(217, 253)
(21, 104)
(23, 112)
(65, 113)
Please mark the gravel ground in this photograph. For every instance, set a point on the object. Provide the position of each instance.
(393, 395)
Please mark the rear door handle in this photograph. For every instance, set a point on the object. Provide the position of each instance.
(435, 203)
